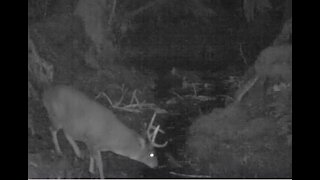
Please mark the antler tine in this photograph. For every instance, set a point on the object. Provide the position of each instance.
(153, 136)
(150, 126)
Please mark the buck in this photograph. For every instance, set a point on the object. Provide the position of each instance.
(85, 120)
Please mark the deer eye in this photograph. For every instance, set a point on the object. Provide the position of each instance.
(151, 155)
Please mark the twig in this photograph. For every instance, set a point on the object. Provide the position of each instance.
(112, 12)
(178, 95)
(246, 88)
(106, 96)
(242, 55)
(194, 89)
(33, 164)
(134, 97)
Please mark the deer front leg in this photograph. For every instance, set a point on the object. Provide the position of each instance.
(98, 159)
(91, 166)
(74, 145)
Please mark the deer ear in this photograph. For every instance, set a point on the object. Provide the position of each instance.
(142, 143)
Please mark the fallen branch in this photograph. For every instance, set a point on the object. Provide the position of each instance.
(136, 108)
(189, 175)
(127, 109)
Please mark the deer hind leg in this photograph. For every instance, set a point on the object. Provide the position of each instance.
(55, 139)
(74, 145)
(91, 166)
(98, 159)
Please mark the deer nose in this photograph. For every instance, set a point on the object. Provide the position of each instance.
(153, 164)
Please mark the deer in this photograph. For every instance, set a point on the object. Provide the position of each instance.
(85, 120)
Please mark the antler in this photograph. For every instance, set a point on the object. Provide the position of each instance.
(152, 137)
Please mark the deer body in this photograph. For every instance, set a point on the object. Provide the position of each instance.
(85, 120)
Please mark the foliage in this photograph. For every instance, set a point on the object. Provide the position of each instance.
(227, 143)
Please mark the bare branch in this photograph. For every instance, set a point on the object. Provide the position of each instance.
(134, 97)
(127, 109)
(106, 96)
